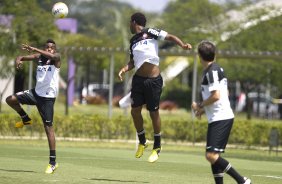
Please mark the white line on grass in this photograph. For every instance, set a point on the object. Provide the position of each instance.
(267, 176)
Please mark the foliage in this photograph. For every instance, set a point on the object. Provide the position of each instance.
(32, 27)
(263, 37)
(177, 92)
(194, 16)
(121, 127)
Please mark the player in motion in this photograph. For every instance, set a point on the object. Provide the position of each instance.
(147, 82)
(220, 116)
(43, 95)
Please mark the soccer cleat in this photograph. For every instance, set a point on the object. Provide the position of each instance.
(20, 124)
(141, 148)
(247, 180)
(51, 168)
(154, 155)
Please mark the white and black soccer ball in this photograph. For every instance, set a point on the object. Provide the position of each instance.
(60, 10)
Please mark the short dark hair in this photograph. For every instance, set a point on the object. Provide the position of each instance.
(139, 18)
(50, 41)
(206, 50)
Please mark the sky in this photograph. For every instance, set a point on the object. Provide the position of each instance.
(155, 6)
(148, 5)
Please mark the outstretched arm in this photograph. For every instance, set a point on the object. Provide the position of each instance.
(52, 56)
(20, 59)
(179, 42)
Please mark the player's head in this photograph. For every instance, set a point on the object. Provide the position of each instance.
(206, 51)
(137, 19)
(50, 46)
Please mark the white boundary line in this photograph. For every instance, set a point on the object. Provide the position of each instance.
(267, 176)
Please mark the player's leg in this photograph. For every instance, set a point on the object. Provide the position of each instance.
(156, 121)
(45, 107)
(137, 96)
(153, 93)
(14, 101)
(218, 134)
(53, 165)
(138, 123)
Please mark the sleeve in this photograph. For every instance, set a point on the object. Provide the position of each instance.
(213, 80)
(162, 35)
(157, 33)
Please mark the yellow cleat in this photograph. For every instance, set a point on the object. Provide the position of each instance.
(51, 168)
(141, 149)
(21, 124)
(154, 155)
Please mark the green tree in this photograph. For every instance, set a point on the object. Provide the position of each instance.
(192, 20)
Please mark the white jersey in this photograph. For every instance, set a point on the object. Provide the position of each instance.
(47, 78)
(144, 46)
(214, 79)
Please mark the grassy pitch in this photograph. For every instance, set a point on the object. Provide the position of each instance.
(24, 161)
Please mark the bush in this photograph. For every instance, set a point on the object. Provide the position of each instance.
(248, 132)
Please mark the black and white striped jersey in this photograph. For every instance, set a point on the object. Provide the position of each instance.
(214, 79)
(144, 46)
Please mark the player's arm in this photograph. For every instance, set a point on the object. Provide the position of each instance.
(215, 95)
(126, 68)
(52, 56)
(20, 59)
(178, 41)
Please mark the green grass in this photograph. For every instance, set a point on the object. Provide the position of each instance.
(24, 161)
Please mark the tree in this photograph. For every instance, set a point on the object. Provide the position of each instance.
(192, 20)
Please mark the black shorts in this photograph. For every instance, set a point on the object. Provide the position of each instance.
(44, 105)
(146, 91)
(218, 134)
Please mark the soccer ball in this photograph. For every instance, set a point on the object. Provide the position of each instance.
(60, 10)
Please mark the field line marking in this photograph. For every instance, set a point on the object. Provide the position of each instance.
(268, 176)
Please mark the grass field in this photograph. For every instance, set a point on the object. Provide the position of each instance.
(24, 161)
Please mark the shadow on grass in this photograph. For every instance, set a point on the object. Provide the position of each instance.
(113, 180)
(10, 170)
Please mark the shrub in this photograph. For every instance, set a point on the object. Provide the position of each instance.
(248, 132)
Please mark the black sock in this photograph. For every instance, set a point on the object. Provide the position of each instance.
(24, 115)
(52, 157)
(157, 141)
(217, 174)
(141, 137)
(226, 167)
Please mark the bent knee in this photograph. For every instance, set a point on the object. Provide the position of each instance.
(212, 157)
(11, 99)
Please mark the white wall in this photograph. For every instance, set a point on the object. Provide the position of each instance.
(9, 83)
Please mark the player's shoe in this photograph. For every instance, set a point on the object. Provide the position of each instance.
(247, 180)
(141, 148)
(21, 124)
(154, 155)
(51, 168)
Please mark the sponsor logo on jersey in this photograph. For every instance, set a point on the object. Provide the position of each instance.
(44, 68)
(154, 32)
(142, 42)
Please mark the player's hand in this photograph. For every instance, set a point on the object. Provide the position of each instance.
(197, 110)
(120, 74)
(187, 46)
(19, 63)
(27, 47)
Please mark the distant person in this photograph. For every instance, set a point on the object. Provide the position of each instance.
(220, 116)
(147, 82)
(43, 95)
